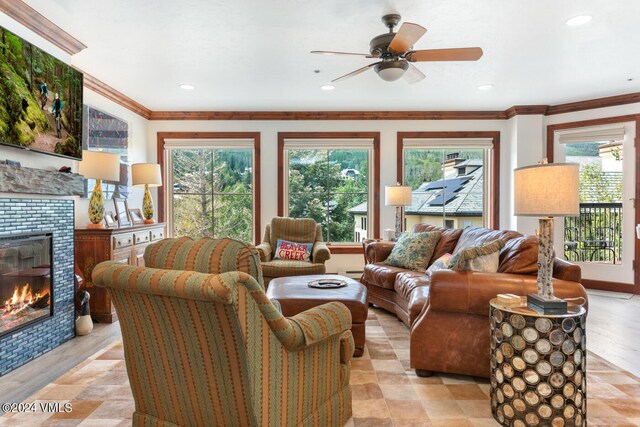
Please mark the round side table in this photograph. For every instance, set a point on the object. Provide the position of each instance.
(538, 366)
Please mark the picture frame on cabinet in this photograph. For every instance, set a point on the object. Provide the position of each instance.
(136, 216)
(122, 209)
(109, 220)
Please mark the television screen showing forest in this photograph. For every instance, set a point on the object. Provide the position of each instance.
(40, 99)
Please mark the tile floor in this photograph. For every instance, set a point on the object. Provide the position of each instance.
(386, 392)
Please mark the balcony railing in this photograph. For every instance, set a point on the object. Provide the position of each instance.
(595, 235)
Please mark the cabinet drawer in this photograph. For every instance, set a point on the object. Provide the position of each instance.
(157, 234)
(122, 241)
(141, 237)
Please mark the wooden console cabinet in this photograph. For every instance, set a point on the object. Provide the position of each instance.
(125, 245)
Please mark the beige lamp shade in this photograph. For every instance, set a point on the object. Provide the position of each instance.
(547, 190)
(397, 195)
(146, 173)
(100, 165)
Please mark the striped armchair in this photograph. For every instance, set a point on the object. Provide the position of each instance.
(211, 349)
(299, 230)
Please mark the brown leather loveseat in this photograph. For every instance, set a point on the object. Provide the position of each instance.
(448, 311)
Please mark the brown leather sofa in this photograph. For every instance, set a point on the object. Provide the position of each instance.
(448, 311)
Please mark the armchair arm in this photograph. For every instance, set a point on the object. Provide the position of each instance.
(322, 322)
(264, 249)
(347, 347)
(470, 291)
(378, 251)
(320, 253)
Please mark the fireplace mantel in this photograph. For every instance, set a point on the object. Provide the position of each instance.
(39, 181)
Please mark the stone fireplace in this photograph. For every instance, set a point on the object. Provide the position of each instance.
(37, 310)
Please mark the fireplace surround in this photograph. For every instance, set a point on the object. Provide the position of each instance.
(21, 217)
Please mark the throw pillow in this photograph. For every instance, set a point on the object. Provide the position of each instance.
(485, 258)
(293, 251)
(441, 263)
(413, 250)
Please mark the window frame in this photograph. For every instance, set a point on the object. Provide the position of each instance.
(459, 137)
(224, 140)
(312, 138)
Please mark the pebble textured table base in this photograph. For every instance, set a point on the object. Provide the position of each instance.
(538, 367)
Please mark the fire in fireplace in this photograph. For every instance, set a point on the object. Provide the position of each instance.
(26, 269)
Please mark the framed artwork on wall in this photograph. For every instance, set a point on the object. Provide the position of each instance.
(105, 132)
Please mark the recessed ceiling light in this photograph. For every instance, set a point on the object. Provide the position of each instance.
(187, 87)
(485, 87)
(327, 87)
(578, 20)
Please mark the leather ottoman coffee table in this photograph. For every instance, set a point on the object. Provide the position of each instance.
(295, 296)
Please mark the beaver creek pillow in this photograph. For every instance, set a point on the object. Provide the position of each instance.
(413, 250)
(485, 258)
(293, 251)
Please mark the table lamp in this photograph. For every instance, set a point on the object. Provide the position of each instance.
(398, 196)
(149, 175)
(546, 190)
(100, 166)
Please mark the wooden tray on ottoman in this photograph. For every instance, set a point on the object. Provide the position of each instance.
(295, 296)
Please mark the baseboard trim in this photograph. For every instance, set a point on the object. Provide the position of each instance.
(610, 286)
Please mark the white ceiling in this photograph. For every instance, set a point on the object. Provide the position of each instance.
(254, 54)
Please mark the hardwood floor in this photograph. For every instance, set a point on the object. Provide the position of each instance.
(613, 332)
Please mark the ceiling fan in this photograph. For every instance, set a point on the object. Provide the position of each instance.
(396, 54)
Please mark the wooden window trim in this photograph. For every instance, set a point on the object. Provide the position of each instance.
(375, 136)
(162, 191)
(551, 131)
(494, 200)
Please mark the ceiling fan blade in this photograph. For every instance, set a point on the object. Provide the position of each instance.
(457, 54)
(354, 73)
(413, 74)
(408, 34)
(330, 52)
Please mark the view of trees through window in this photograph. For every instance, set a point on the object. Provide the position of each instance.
(212, 192)
(447, 186)
(596, 235)
(325, 184)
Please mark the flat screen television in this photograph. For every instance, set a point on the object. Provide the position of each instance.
(40, 100)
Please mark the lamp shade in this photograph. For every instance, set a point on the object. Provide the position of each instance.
(146, 173)
(397, 195)
(100, 165)
(547, 190)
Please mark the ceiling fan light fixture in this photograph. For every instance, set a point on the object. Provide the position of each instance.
(391, 70)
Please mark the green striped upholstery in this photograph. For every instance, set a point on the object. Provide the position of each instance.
(284, 267)
(299, 230)
(211, 349)
(205, 255)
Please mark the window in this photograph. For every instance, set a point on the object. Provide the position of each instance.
(211, 188)
(330, 180)
(447, 184)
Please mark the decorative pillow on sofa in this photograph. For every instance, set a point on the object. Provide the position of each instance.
(413, 250)
(293, 251)
(441, 263)
(485, 258)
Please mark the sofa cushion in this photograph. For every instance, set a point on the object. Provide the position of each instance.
(448, 239)
(381, 275)
(477, 236)
(485, 258)
(407, 282)
(292, 229)
(413, 250)
(293, 250)
(440, 263)
(520, 256)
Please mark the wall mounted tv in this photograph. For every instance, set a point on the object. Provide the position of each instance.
(40, 100)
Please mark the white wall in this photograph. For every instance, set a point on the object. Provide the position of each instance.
(137, 131)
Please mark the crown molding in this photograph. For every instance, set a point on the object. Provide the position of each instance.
(108, 92)
(519, 110)
(39, 24)
(609, 101)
